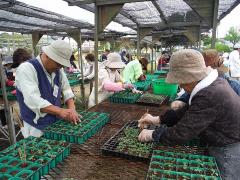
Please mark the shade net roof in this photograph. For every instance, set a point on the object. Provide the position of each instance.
(166, 13)
(20, 17)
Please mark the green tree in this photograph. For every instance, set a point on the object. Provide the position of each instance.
(233, 36)
(222, 47)
(206, 40)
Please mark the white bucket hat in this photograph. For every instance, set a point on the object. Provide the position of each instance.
(114, 61)
(59, 51)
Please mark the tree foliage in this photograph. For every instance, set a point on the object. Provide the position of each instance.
(233, 36)
(222, 47)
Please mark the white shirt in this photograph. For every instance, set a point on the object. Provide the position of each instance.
(234, 61)
(27, 83)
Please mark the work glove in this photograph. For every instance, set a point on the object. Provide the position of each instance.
(145, 135)
(148, 119)
(135, 91)
(10, 83)
(14, 92)
(128, 86)
(177, 105)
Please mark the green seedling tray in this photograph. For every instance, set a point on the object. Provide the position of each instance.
(39, 157)
(182, 166)
(162, 72)
(91, 123)
(142, 85)
(151, 77)
(8, 89)
(124, 97)
(74, 82)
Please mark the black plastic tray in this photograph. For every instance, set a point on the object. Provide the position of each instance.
(145, 103)
(109, 148)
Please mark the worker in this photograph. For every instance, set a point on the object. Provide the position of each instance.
(133, 72)
(109, 79)
(89, 73)
(211, 58)
(234, 61)
(40, 84)
(213, 112)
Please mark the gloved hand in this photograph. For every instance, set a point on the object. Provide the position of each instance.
(14, 92)
(128, 86)
(145, 135)
(177, 104)
(148, 119)
(135, 91)
(9, 82)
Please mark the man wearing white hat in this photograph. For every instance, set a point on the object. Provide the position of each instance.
(40, 84)
(213, 113)
(234, 62)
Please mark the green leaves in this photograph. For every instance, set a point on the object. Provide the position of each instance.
(129, 143)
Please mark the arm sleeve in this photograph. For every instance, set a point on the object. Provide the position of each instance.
(27, 83)
(172, 117)
(138, 70)
(195, 120)
(111, 86)
(66, 88)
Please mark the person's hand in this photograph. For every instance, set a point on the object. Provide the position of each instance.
(135, 91)
(142, 77)
(70, 115)
(145, 135)
(128, 86)
(10, 83)
(148, 119)
(177, 104)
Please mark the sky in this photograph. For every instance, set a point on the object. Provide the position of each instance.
(62, 7)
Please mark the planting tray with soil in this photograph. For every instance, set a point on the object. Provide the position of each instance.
(91, 123)
(125, 144)
(40, 156)
(142, 85)
(124, 97)
(152, 99)
(171, 165)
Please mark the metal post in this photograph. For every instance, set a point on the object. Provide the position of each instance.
(81, 59)
(138, 43)
(8, 113)
(152, 60)
(199, 37)
(96, 53)
(215, 16)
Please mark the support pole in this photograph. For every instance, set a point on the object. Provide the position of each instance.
(199, 37)
(81, 60)
(152, 61)
(8, 113)
(214, 30)
(36, 36)
(96, 52)
(138, 43)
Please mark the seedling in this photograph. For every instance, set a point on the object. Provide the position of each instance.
(22, 153)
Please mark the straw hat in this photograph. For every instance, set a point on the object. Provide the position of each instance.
(187, 66)
(59, 51)
(114, 61)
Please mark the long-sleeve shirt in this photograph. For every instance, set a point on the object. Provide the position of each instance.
(213, 116)
(132, 72)
(234, 60)
(27, 83)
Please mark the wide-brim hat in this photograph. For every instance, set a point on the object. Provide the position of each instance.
(114, 61)
(187, 66)
(59, 51)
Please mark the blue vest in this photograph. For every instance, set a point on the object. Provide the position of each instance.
(46, 91)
